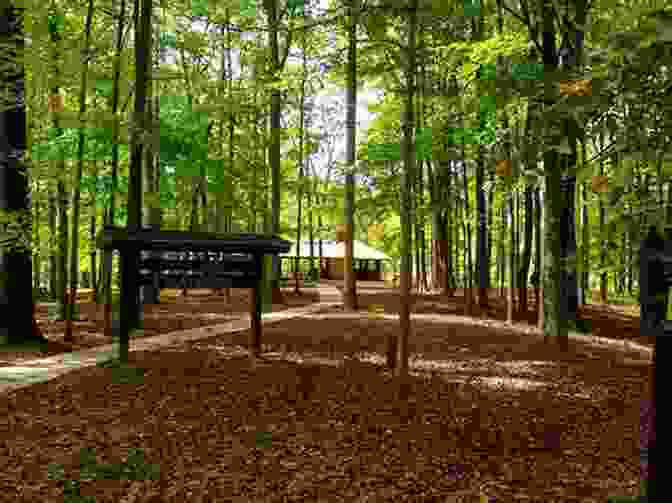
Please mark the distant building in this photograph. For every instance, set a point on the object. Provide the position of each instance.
(369, 264)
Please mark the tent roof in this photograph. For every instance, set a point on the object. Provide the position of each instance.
(335, 249)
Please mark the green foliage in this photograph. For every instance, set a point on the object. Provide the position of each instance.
(134, 469)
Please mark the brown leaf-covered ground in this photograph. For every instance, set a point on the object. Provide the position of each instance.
(199, 308)
(488, 410)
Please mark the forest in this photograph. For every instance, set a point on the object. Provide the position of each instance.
(512, 153)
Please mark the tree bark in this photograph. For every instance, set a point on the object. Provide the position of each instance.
(53, 236)
(408, 171)
(74, 250)
(603, 244)
(107, 264)
(527, 253)
(349, 287)
(17, 310)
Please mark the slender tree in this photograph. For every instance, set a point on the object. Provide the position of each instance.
(408, 127)
(350, 292)
(74, 253)
(110, 215)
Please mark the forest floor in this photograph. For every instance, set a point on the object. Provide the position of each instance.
(490, 412)
(199, 308)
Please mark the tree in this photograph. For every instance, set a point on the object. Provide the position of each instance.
(350, 291)
(277, 63)
(107, 254)
(408, 127)
(17, 319)
(56, 28)
(129, 262)
(74, 257)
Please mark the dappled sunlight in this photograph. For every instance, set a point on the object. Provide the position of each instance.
(448, 370)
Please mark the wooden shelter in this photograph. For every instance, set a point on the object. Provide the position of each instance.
(369, 263)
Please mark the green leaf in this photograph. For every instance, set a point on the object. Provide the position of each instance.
(105, 87)
(199, 8)
(56, 23)
(472, 8)
(295, 7)
(248, 8)
(167, 40)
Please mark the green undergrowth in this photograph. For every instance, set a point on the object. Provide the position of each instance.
(133, 469)
(123, 373)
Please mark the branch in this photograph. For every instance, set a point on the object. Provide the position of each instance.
(523, 19)
(288, 44)
(603, 151)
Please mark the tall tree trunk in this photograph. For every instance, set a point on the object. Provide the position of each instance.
(408, 171)
(300, 163)
(151, 211)
(568, 162)
(527, 252)
(274, 147)
(311, 231)
(585, 238)
(482, 236)
(74, 252)
(422, 266)
(17, 310)
(350, 286)
(107, 254)
(540, 260)
(448, 280)
(438, 231)
(61, 196)
(482, 263)
(37, 262)
(555, 327)
(93, 254)
(603, 244)
(53, 248)
(468, 270)
(129, 263)
(491, 202)
(415, 231)
(510, 301)
(503, 211)
(558, 213)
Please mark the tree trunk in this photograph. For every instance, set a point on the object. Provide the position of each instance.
(350, 292)
(540, 260)
(37, 262)
(151, 211)
(585, 246)
(555, 327)
(53, 249)
(17, 310)
(408, 171)
(468, 292)
(538, 243)
(422, 279)
(510, 301)
(482, 236)
(107, 264)
(74, 251)
(603, 244)
(301, 160)
(449, 281)
(129, 264)
(61, 196)
(274, 147)
(93, 255)
(527, 253)
(502, 247)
